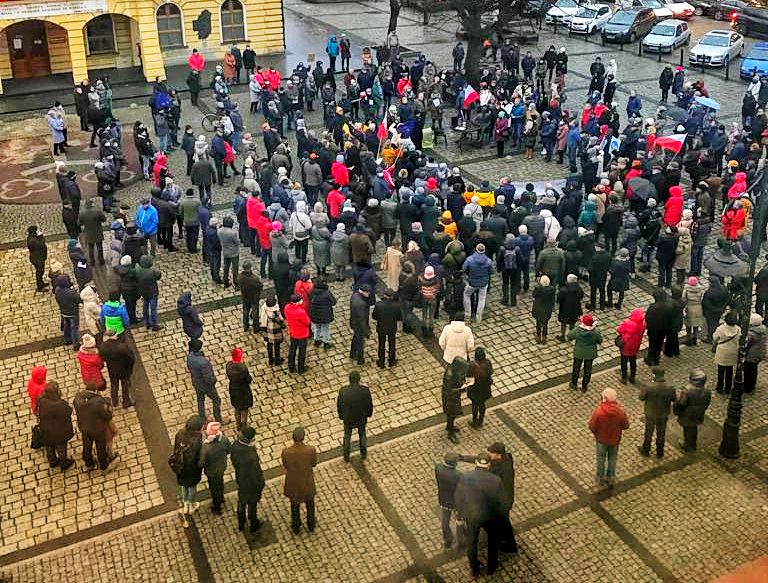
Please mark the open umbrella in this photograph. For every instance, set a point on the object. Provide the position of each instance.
(707, 102)
(677, 114)
(642, 188)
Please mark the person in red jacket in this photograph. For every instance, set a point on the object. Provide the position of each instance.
(734, 221)
(607, 423)
(303, 287)
(298, 323)
(36, 385)
(631, 333)
(340, 172)
(739, 186)
(254, 206)
(196, 61)
(673, 208)
(335, 200)
(403, 84)
(161, 161)
(263, 229)
(91, 363)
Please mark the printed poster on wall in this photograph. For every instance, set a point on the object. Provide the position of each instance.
(25, 11)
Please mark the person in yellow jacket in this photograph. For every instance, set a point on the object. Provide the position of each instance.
(485, 197)
(449, 226)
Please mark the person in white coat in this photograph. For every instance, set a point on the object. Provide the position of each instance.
(457, 339)
(91, 310)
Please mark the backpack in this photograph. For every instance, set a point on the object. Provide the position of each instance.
(182, 455)
(510, 259)
(162, 101)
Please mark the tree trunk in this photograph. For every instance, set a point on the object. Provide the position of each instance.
(475, 52)
(394, 12)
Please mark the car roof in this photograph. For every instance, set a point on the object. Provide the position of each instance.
(719, 33)
(674, 21)
(632, 9)
(594, 6)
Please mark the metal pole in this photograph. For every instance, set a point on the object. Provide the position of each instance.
(659, 57)
(727, 68)
(729, 444)
(639, 48)
(682, 51)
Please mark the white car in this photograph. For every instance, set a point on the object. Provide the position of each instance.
(666, 36)
(660, 11)
(716, 47)
(680, 10)
(590, 18)
(562, 11)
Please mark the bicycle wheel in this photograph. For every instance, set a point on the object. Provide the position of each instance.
(208, 122)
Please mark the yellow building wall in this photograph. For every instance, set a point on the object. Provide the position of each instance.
(134, 22)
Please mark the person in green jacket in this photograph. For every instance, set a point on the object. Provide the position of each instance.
(587, 337)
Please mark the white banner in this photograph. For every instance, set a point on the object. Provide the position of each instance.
(25, 11)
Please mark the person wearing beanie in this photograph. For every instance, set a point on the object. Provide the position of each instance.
(543, 304)
(354, 406)
(658, 398)
(691, 403)
(480, 484)
(80, 266)
(298, 461)
(249, 477)
(607, 423)
(430, 285)
(91, 363)
(298, 323)
(240, 395)
(587, 337)
(569, 298)
(213, 461)
(203, 379)
(477, 270)
(693, 296)
(447, 477)
(119, 358)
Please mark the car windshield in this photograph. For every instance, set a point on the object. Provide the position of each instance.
(652, 4)
(714, 40)
(622, 17)
(759, 54)
(664, 30)
(566, 4)
(586, 13)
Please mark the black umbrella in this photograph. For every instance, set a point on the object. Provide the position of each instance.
(642, 188)
(677, 114)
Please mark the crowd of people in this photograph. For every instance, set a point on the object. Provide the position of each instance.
(362, 186)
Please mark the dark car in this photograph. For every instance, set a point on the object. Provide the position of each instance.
(725, 9)
(628, 25)
(750, 21)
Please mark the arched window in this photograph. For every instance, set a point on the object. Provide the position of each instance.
(232, 21)
(100, 34)
(170, 26)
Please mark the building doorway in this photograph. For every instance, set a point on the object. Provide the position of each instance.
(28, 49)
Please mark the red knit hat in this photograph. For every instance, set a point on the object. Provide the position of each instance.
(237, 355)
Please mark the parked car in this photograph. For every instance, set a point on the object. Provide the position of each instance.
(660, 10)
(750, 21)
(756, 61)
(726, 9)
(590, 18)
(666, 36)
(626, 26)
(716, 47)
(680, 9)
(562, 11)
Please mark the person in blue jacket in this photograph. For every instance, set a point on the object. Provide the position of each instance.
(477, 270)
(332, 48)
(147, 221)
(573, 143)
(634, 104)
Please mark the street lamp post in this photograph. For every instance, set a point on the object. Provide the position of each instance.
(729, 444)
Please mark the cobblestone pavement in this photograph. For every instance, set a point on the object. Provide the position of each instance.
(688, 517)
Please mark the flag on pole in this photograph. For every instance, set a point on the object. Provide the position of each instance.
(383, 130)
(470, 96)
(673, 143)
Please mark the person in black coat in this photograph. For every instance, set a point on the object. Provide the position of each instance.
(71, 192)
(447, 477)
(658, 318)
(569, 299)
(612, 220)
(119, 359)
(281, 272)
(240, 395)
(184, 462)
(713, 303)
(191, 321)
(359, 307)
(666, 246)
(250, 293)
(672, 338)
(250, 478)
(354, 407)
(620, 269)
(38, 254)
(691, 404)
(598, 276)
(55, 419)
(69, 218)
(387, 313)
(503, 466)
(321, 305)
(543, 305)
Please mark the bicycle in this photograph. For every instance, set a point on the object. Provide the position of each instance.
(209, 122)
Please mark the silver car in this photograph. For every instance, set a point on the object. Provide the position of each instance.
(716, 48)
(666, 36)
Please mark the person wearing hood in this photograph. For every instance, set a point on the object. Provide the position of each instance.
(693, 295)
(147, 277)
(673, 207)
(456, 339)
(607, 423)
(91, 309)
(240, 394)
(725, 345)
(298, 323)
(278, 240)
(36, 386)
(300, 227)
(587, 337)
(629, 338)
(68, 301)
(55, 422)
(340, 250)
(91, 363)
(691, 404)
(454, 380)
(481, 370)
(38, 254)
(80, 266)
(190, 319)
(212, 248)
(321, 248)
(281, 271)
(203, 379)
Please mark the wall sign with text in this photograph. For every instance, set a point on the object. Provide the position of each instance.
(24, 10)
